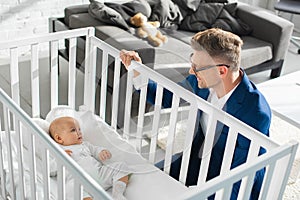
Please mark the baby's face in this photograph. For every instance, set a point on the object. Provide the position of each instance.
(66, 131)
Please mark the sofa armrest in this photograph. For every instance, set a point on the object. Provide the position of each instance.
(75, 10)
(267, 27)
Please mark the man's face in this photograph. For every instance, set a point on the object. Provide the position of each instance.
(68, 131)
(204, 68)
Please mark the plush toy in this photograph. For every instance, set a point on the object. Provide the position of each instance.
(147, 29)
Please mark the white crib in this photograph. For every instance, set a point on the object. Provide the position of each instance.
(277, 161)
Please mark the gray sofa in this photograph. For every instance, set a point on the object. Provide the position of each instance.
(264, 49)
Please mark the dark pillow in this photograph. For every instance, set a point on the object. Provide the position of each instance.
(188, 4)
(209, 15)
(107, 15)
(215, 1)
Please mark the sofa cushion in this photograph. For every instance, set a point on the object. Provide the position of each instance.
(184, 36)
(172, 59)
(255, 51)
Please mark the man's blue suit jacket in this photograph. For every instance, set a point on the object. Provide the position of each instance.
(247, 104)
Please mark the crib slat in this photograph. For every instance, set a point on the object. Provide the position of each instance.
(246, 186)
(35, 92)
(253, 151)
(156, 119)
(32, 166)
(54, 73)
(72, 73)
(267, 181)
(103, 84)
(229, 150)
(61, 190)
(128, 100)
(191, 124)
(115, 99)
(281, 171)
(14, 75)
(2, 172)
(9, 152)
(225, 193)
(140, 123)
(46, 173)
(171, 133)
(208, 145)
(286, 164)
(90, 71)
(21, 182)
(77, 190)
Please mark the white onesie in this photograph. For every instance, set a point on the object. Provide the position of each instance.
(87, 156)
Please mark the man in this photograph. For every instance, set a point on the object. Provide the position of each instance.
(216, 76)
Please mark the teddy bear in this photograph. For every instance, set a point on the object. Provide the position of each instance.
(148, 29)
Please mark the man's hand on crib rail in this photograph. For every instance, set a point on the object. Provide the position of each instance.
(104, 155)
(127, 57)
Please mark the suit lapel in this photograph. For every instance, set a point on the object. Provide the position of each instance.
(235, 101)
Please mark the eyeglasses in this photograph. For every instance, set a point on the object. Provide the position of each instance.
(199, 69)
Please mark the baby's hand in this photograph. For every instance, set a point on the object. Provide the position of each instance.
(69, 152)
(104, 155)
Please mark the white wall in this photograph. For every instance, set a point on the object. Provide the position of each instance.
(23, 18)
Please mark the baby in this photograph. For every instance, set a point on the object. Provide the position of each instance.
(66, 132)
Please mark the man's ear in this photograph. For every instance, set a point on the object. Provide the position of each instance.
(58, 139)
(223, 70)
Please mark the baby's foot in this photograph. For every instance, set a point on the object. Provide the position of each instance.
(118, 190)
(119, 197)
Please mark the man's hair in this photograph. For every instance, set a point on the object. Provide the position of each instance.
(219, 44)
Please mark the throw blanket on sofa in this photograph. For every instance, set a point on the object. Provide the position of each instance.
(169, 14)
(118, 14)
(164, 11)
